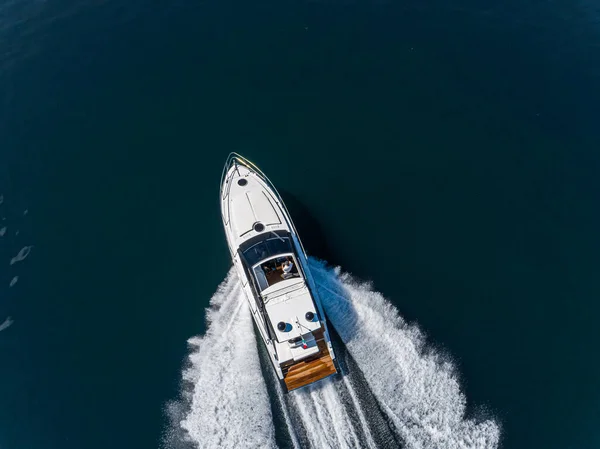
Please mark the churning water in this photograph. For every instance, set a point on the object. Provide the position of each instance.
(396, 390)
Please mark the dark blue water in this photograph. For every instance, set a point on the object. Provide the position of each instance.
(448, 152)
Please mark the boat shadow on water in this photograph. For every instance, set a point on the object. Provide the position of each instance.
(309, 229)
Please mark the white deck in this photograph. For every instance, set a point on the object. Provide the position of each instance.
(244, 206)
(291, 308)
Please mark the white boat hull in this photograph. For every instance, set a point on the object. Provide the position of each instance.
(273, 268)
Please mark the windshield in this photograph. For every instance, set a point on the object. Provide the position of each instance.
(275, 270)
(266, 249)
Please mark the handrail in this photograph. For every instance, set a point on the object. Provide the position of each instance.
(228, 163)
(230, 160)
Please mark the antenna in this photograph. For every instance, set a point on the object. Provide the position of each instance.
(304, 344)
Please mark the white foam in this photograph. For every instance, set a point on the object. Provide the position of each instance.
(13, 281)
(229, 405)
(324, 416)
(416, 387)
(286, 414)
(22, 255)
(370, 442)
(6, 324)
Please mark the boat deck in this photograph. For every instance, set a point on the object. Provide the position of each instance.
(307, 372)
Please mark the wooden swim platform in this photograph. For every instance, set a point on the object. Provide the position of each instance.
(310, 370)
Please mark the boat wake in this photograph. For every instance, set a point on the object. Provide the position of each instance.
(224, 400)
(416, 387)
(395, 391)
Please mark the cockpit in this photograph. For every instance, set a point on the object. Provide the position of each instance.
(272, 259)
(277, 269)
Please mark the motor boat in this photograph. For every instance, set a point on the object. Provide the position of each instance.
(275, 276)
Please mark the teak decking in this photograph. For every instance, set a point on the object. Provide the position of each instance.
(307, 372)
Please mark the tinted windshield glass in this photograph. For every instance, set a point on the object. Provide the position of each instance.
(267, 248)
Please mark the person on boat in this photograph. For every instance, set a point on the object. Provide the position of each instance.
(287, 268)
